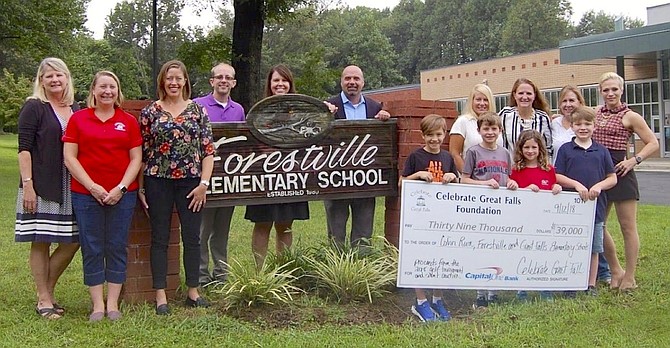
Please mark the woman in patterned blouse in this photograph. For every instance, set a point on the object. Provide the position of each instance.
(177, 154)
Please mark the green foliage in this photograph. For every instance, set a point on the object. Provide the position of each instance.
(200, 54)
(593, 23)
(13, 93)
(350, 276)
(533, 25)
(298, 256)
(248, 286)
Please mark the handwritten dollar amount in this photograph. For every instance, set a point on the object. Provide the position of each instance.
(567, 230)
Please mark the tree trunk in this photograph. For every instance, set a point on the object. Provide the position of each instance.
(247, 44)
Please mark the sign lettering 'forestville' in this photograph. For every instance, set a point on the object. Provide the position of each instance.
(292, 150)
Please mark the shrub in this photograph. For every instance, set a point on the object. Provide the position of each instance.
(351, 277)
(298, 256)
(248, 286)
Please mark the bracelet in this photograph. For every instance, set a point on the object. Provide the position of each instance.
(27, 179)
(204, 182)
(142, 190)
(90, 188)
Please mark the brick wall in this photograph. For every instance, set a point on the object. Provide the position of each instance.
(409, 114)
(382, 96)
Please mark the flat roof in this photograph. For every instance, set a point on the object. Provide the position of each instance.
(638, 43)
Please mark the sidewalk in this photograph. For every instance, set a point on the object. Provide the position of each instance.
(654, 165)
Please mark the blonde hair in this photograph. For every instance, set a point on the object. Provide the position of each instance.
(90, 100)
(542, 156)
(486, 91)
(160, 80)
(610, 76)
(58, 65)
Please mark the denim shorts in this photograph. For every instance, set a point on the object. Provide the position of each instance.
(598, 238)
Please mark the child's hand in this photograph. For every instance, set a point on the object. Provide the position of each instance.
(533, 188)
(448, 177)
(583, 192)
(594, 192)
(492, 183)
(556, 189)
(512, 185)
(424, 175)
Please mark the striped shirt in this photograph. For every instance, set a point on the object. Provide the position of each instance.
(513, 125)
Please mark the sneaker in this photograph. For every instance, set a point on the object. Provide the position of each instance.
(591, 291)
(424, 312)
(480, 302)
(547, 296)
(522, 296)
(442, 313)
(493, 299)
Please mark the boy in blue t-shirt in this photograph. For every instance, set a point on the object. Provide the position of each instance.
(431, 164)
(488, 164)
(586, 167)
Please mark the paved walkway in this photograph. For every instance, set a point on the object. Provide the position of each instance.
(653, 176)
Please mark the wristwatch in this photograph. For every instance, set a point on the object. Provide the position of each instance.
(123, 188)
(638, 159)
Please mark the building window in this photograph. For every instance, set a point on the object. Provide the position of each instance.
(501, 101)
(513, 67)
(503, 69)
(591, 96)
(642, 97)
(442, 78)
(556, 61)
(552, 100)
(523, 66)
(460, 105)
(534, 64)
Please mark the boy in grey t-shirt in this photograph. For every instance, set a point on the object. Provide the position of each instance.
(488, 164)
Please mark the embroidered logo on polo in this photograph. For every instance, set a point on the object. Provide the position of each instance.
(119, 126)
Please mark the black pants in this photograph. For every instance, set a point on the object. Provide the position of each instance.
(162, 195)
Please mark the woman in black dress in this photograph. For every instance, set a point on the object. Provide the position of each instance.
(279, 81)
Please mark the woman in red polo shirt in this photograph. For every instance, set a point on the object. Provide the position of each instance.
(102, 150)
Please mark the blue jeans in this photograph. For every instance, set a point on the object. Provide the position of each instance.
(103, 234)
(603, 268)
(162, 196)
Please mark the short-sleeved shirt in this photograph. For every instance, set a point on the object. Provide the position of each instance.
(588, 167)
(217, 112)
(103, 147)
(484, 164)
(174, 146)
(466, 126)
(544, 179)
(560, 135)
(435, 163)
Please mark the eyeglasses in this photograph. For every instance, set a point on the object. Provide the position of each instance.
(222, 77)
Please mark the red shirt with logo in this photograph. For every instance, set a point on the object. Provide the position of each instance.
(544, 179)
(103, 147)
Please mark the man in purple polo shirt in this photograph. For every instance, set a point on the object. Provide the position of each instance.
(215, 224)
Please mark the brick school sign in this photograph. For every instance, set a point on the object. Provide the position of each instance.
(290, 149)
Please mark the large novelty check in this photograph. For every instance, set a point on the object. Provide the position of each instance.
(474, 237)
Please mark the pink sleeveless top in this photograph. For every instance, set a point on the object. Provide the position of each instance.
(610, 131)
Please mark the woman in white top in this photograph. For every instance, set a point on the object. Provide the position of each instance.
(527, 110)
(464, 133)
(561, 125)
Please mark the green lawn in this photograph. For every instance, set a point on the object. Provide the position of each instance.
(641, 319)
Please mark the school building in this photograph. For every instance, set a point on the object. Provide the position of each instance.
(641, 56)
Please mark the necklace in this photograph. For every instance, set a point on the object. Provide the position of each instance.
(525, 124)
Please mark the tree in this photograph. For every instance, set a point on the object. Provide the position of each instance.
(536, 24)
(593, 23)
(128, 28)
(250, 17)
(33, 29)
(13, 93)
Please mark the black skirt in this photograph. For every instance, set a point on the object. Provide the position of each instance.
(626, 187)
(283, 212)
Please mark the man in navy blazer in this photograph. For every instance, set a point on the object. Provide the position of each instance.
(352, 105)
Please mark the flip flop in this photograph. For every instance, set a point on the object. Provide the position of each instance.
(59, 309)
(47, 313)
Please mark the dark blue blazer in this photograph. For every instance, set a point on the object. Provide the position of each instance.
(372, 107)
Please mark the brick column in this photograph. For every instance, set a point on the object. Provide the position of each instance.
(409, 114)
(138, 287)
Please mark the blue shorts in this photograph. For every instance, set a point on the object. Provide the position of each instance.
(597, 246)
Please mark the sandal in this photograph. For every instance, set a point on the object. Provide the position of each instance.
(59, 309)
(47, 313)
